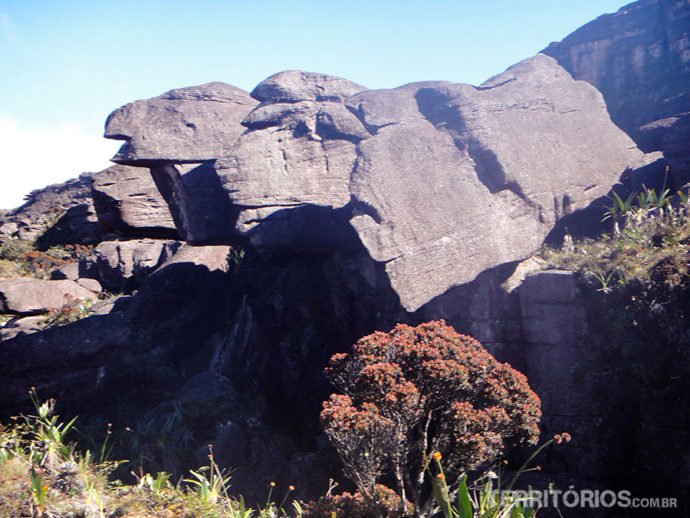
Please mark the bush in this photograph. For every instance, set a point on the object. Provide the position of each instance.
(416, 393)
(353, 505)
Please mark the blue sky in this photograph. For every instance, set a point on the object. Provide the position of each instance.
(67, 64)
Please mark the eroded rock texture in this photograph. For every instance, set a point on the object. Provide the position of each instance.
(469, 178)
(127, 201)
(191, 124)
(639, 58)
(440, 181)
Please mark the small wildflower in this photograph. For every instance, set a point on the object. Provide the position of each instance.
(272, 484)
(436, 456)
(562, 437)
(441, 476)
(291, 488)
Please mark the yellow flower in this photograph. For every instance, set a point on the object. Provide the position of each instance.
(441, 476)
(291, 488)
(273, 484)
(436, 456)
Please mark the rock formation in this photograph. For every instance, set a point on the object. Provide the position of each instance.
(44, 207)
(187, 125)
(27, 296)
(639, 58)
(316, 211)
(128, 203)
(440, 181)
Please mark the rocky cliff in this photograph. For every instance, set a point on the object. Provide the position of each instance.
(439, 181)
(639, 58)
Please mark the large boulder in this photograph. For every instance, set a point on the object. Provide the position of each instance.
(639, 59)
(122, 265)
(459, 179)
(127, 202)
(440, 181)
(293, 164)
(27, 296)
(292, 86)
(192, 124)
(78, 225)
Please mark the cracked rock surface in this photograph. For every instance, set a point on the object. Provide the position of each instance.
(439, 181)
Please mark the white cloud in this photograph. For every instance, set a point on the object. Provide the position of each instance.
(31, 157)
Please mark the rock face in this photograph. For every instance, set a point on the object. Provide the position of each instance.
(639, 58)
(78, 225)
(473, 177)
(121, 265)
(677, 149)
(291, 171)
(44, 206)
(291, 86)
(127, 202)
(192, 124)
(28, 296)
(357, 209)
(440, 181)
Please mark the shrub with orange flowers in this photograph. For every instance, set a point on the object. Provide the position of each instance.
(415, 392)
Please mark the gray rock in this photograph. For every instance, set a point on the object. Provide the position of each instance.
(128, 202)
(29, 296)
(8, 229)
(214, 258)
(122, 265)
(91, 285)
(43, 207)
(440, 181)
(477, 176)
(199, 206)
(677, 150)
(548, 299)
(294, 85)
(117, 303)
(67, 361)
(78, 225)
(638, 58)
(22, 326)
(554, 331)
(274, 173)
(194, 124)
(69, 271)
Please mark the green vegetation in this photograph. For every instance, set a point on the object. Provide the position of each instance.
(638, 275)
(648, 229)
(43, 475)
(456, 395)
(21, 258)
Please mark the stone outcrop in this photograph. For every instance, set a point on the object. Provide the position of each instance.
(22, 326)
(122, 265)
(27, 296)
(639, 58)
(43, 207)
(473, 177)
(289, 175)
(193, 124)
(440, 181)
(128, 202)
(78, 225)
